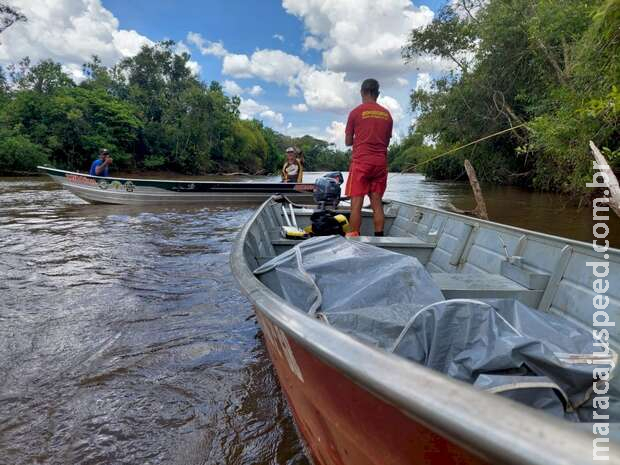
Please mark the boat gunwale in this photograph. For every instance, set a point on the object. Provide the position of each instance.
(57, 171)
(549, 239)
(487, 425)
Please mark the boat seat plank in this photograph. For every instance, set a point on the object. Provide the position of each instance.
(406, 245)
(387, 242)
(484, 286)
(307, 212)
(395, 241)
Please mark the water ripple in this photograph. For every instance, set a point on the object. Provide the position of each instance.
(124, 340)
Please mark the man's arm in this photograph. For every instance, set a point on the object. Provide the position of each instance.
(348, 139)
(100, 168)
(349, 131)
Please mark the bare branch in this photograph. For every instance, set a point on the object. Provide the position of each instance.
(9, 16)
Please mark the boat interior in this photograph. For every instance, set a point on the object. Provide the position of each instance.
(466, 258)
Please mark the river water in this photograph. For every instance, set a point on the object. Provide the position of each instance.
(124, 340)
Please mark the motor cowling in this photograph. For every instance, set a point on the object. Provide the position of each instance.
(327, 190)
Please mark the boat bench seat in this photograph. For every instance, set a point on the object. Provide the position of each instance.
(484, 286)
(405, 245)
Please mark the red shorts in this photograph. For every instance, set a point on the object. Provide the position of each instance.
(365, 178)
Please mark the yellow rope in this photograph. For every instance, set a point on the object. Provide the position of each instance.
(413, 167)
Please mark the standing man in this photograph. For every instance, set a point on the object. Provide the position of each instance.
(101, 164)
(369, 129)
(293, 169)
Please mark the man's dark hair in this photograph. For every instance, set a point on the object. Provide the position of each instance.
(370, 87)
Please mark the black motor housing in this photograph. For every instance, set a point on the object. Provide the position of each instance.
(327, 190)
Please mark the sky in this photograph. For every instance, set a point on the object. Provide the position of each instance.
(296, 64)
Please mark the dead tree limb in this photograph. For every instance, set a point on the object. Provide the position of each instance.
(610, 178)
(481, 207)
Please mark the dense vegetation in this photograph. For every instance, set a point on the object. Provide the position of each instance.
(149, 111)
(551, 65)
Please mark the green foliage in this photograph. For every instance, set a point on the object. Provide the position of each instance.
(149, 111)
(18, 154)
(154, 162)
(552, 65)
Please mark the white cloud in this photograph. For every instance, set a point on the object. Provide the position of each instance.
(299, 131)
(357, 38)
(312, 43)
(327, 90)
(194, 67)
(236, 65)
(279, 37)
(362, 37)
(393, 106)
(129, 43)
(424, 82)
(335, 134)
(255, 90)
(249, 108)
(206, 47)
(272, 116)
(70, 32)
(232, 88)
(269, 65)
(75, 71)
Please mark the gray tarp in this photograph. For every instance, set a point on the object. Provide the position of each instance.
(506, 347)
(390, 300)
(349, 275)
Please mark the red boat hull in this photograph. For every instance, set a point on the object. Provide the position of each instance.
(343, 423)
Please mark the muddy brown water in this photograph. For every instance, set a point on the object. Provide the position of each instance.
(124, 340)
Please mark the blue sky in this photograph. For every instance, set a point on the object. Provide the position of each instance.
(296, 64)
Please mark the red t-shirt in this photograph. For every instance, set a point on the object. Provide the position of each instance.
(371, 127)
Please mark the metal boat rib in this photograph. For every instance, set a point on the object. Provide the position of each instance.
(448, 420)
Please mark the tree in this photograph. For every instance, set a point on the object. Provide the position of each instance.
(46, 77)
(149, 111)
(517, 62)
(9, 16)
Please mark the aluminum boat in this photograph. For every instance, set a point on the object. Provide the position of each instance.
(125, 191)
(356, 402)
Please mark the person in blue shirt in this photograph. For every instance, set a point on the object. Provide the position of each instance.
(101, 164)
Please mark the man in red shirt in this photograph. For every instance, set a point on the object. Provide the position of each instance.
(369, 129)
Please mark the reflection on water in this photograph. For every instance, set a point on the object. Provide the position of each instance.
(124, 340)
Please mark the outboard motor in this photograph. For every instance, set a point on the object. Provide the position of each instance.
(327, 190)
(327, 195)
